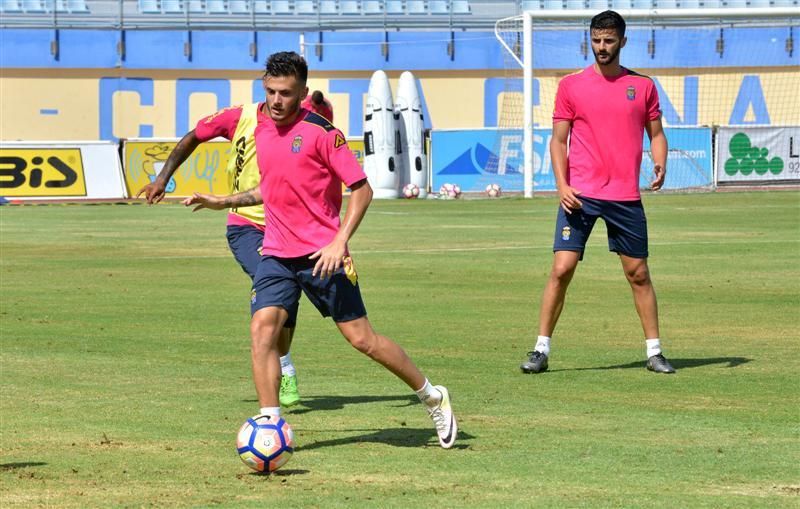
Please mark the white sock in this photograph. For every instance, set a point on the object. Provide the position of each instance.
(274, 411)
(287, 368)
(542, 345)
(429, 394)
(653, 347)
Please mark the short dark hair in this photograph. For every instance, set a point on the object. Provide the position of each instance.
(608, 19)
(287, 63)
(317, 97)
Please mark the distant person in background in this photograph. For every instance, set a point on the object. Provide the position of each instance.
(245, 230)
(599, 120)
(317, 103)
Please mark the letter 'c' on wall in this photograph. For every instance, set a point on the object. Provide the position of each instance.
(184, 88)
(109, 87)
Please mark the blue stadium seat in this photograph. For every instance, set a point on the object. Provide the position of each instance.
(304, 7)
(712, 4)
(349, 7)
(33, 6)
(439, 6)
(461, 7)
(621, 4)
(598, 5)
(553, 5)
(171, 6)
(784, 3)
(690, 4)
(216, 6)
(736, 3)
(575, 4)
(666, 4)
(328, 7)
(416, 7)
(77, 6)
(371, 7)
(394, 7)
(280, 7)
(148, 6)
(10, 6)
(759, 3)
(531, 5)
(642, 4)
(260, 6)
(239, 6)
(195, 6)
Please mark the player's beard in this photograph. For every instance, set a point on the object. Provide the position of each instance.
(286, 112)
(609, 58)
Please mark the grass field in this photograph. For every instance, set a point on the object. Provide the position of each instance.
(125, 363)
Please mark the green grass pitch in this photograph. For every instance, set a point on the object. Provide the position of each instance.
(124, 363)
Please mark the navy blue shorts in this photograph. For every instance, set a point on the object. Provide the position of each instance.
(278, 282)
(625, 222)
(245, 243)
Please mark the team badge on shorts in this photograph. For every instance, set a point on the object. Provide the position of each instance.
(631, 91)
(566, 232)
(297, 143)
(350, 270)
(253, 296)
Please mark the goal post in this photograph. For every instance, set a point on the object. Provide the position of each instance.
(726, 66)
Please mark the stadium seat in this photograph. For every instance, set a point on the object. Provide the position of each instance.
(621, 4)
(736, 3)
(460, 7)
(712, 4)
(642, 4)
(148, 6)
(328, 7)
(349, 7)
(690, 4)
(195, 6)
(32, 6)
(171, 6)
(371, 7)
(439, 6)
(415, 7)
(552, 5)
(280, 7)
(531, 5)
(260, 6)
(77, 6)
(304, 7)
(666, 4)
(784, 3)
(239, 6)
(10, 6)
(598, 5)
(575, 4)
(216, 6)
(394, 7)
(759, 3)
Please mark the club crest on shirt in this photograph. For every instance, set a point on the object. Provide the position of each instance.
(338, 141)
(297, 143)
(565, 233)
(631, 92)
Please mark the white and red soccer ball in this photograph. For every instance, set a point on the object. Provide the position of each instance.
(493, 190)
(410, 191)
(449, 191)
(265, 443)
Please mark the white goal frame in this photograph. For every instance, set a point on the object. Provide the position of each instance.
(583, 15)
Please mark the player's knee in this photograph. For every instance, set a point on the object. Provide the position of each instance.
(365, 342)
(263, 333)
(562, 273)
(638, 276)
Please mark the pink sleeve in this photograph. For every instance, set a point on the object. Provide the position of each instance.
(222, 123)
(338, 157)
(653, 106)
(564, 110)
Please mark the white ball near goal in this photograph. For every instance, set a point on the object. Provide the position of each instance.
(493, 190)
(449, 191)
(410, 191)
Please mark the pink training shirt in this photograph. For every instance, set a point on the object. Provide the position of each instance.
(223, 124)
(608, 117)
(303, 166)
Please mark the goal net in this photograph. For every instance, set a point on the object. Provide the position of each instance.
(711, 67)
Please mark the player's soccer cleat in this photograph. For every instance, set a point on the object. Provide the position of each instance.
(443, 418)
(288, 395)
(536, 363)
(659, 364)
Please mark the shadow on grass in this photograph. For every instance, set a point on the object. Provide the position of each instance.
(284, 472)
(396, 437)
(21, 464)
(731, 362)
(319, 403)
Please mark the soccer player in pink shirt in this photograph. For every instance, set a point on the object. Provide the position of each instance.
(317, 103)
(304, 161)
(600, 117)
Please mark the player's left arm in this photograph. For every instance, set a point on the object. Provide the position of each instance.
(213, 202)
(659, 150)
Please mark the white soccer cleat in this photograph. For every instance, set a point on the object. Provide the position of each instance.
(443, 418)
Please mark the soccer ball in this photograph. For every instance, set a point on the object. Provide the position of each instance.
(449, 191)
(265, 443)
(493, 190)
(410, 191)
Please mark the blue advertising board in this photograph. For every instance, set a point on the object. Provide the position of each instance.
(475, 158)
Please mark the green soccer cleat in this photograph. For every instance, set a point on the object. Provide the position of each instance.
(288, 395)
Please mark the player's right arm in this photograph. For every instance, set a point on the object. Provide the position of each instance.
(213, 202)
(568, 195)
(154, 191)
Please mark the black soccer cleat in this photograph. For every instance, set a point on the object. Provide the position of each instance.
(658, 364)
(536, 363)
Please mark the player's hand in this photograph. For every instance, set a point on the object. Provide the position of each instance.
(568, 196)
(153, 192)
(329, 259)
(204, 201)
(659, 174)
